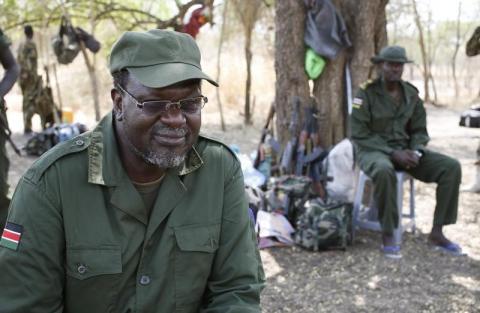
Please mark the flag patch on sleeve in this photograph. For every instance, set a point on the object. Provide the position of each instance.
(11, 236)
(357, 102)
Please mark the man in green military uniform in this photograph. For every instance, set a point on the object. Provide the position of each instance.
(10, 76)
(27, 59)
(389, 131)
(142, 214)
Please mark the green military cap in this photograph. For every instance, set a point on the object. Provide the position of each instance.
(391, 54)
(158, 58)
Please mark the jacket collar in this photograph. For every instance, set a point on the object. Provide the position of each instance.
(104, 163)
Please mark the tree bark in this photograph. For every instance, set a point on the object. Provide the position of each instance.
(291, 79)
(366, 24)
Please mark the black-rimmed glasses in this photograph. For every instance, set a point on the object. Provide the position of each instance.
(187, 106)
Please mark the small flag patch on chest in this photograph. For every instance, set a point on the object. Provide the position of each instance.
(11, 236)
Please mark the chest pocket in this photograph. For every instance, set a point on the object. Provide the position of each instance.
(382, 118)
(94, 273)
(84, 263)
(196, 247)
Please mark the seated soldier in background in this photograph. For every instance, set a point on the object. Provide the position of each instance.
(7, 82)
(389, 131)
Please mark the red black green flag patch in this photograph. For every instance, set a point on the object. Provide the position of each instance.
(11, 236)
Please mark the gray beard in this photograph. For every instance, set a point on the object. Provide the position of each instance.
(163, 159)
(166, 159)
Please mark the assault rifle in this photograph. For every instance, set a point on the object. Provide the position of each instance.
(260, 150)
(286, 164)
(310, 154)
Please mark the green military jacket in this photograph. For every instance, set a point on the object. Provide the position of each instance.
(86, 244)
(378, 124)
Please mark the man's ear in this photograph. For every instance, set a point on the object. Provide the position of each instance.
(117, 104)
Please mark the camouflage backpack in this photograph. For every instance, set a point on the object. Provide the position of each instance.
(288, 194)
(324, 225)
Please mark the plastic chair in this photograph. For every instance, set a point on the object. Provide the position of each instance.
(367, 216)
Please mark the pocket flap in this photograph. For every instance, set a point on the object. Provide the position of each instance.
(83, 263)
(202, 238)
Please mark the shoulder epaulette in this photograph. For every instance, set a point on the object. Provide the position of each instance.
(74, 145)
(218, 141)
(365, 84)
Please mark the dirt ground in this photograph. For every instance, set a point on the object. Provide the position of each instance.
(361, 279)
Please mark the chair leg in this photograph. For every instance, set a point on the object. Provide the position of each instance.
(412, 204)
(357, 202)
(397, 233)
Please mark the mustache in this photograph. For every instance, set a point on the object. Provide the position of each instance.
(163, 130)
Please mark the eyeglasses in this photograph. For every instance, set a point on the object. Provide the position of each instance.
(187, 106)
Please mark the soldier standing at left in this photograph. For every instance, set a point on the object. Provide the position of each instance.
(10, 76)
(27, 59)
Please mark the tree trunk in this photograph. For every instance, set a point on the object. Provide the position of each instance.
(219, 54)
(291, 79)
(366, 24)
(92, 66)
(421, 42)
(248, 84)
(93, 81)
(455, 52)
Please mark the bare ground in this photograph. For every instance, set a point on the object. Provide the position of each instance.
(361, 279)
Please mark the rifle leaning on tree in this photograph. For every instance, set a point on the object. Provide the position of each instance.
(308, 149)
(5, 129)
(260, 150)
(286, 163)
(309, 154)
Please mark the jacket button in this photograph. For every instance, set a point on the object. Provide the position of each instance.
(79, 142)
(81, 269)
(145, 280)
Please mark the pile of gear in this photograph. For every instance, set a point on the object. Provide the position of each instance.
(307, 190)
(41, 142)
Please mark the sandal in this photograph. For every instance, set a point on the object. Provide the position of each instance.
(391, 252)
(450, 248)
